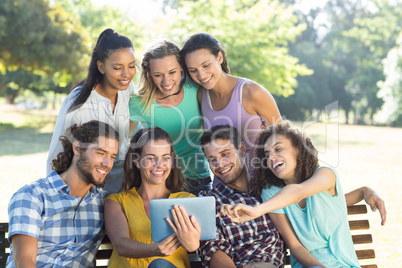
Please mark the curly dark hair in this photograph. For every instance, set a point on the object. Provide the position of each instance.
(306, 162)
(132, 175)
(86, 134)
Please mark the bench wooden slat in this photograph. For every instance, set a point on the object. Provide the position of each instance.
(357, 209)
(104, 254)
(3, 227)
(4, 243)
(362, 239)
(105, 250)
(364, 254)
(359, 225)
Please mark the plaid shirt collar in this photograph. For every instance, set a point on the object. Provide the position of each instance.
(59, 185)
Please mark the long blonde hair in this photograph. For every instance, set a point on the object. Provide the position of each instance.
(157, 50)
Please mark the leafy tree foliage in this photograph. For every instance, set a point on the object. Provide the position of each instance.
(254, 34)
(344, 43)
(391, 88)
(38, 40)
(49, 43)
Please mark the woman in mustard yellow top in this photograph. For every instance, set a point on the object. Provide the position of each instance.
(150, 173)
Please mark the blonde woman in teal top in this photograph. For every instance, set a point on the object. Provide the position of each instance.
(168, 100)
(293, 186)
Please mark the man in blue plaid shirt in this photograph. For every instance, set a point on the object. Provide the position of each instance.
(57, 221)
(250, 244)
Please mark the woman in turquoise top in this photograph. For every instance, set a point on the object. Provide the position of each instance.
(168, 100)
(292, 183)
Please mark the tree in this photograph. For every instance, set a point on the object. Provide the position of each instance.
(254, 35)
(373, 38)
(95, 19)
(39, 40)
(53, 41)
(391, 88)
(364, 33)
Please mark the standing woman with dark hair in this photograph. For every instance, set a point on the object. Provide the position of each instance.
(150, 172)
(168, 100)
(227, 99)
(103, 95)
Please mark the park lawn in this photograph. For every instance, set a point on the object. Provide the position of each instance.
(363, 155)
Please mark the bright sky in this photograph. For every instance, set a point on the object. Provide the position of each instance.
(305, 5)
(146, 10)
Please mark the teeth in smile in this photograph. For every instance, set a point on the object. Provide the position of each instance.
(226, 170)
(101, 171)
(168, 87)
(157, 173)
(277, 164)
(206, 80)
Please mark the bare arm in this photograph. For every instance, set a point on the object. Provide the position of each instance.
(257, 99)
(301, 254)
(118, 231)
(221, 260)
(25, 249)
(370, 197)
(323, 179)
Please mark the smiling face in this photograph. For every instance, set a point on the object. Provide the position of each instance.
(155, 162)
(225, 161)
(166, 74)
(204, 67)
(281, 158)
(118, 69)
(96, 161)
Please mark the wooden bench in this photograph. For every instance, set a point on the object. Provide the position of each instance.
(359, 227)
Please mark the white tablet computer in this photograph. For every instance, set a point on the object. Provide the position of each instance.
(202, 208)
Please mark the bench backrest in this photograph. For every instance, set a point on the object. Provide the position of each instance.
(358, 223)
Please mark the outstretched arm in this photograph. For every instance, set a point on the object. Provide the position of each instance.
(323, 179)
(370, 197)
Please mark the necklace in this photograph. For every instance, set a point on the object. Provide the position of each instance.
(177, 93)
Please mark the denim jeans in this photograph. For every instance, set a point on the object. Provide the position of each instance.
(161, 263)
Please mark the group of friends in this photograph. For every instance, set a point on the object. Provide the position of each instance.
(191, 129)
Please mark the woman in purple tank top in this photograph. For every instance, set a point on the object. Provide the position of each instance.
(227, 99)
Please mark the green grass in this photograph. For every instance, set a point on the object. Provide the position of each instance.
(23, 140)
(25, 132)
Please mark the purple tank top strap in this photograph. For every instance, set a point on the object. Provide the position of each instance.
(237, 93)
